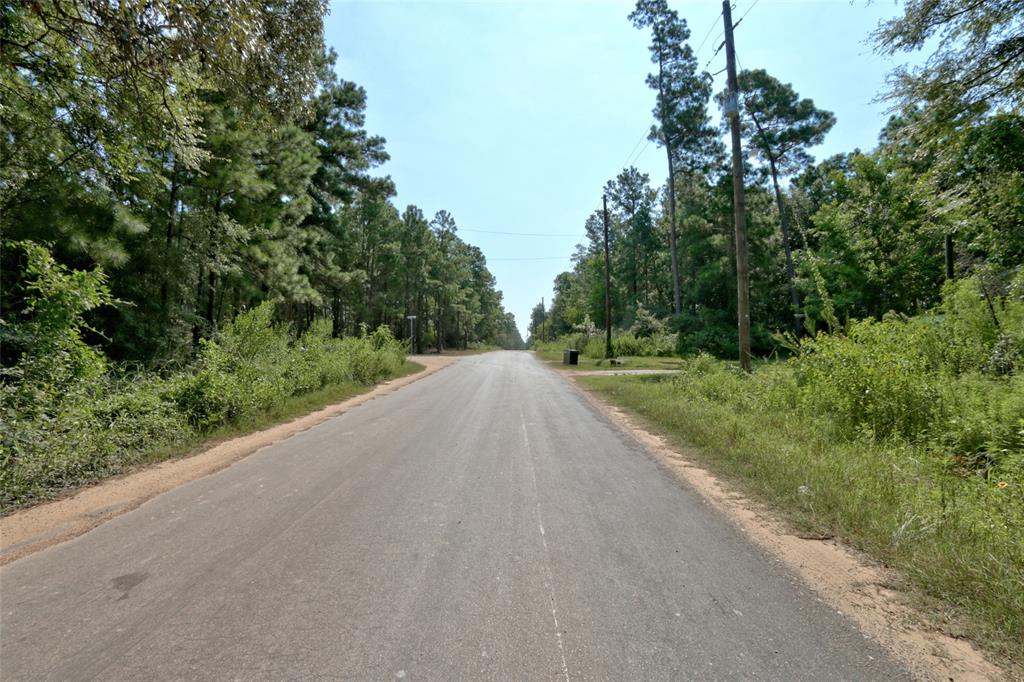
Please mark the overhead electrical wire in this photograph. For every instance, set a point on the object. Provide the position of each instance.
(711, 28)
(642, 150)
(717, 50)
(521, 234)
(534, 258)
(630, 157)
(722, 44)
(746, 13)
(634, 155)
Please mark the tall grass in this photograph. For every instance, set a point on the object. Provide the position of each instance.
(63, 429)
(905, 437)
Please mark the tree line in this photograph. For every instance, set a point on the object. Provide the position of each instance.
(206, 157)
(857, 235)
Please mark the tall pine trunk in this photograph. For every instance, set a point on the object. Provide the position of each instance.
(172, 214)
(438, 331)
(676, 298)
(336, 330)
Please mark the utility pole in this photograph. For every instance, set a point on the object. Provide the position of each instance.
(732, 111)
(543, 318)
(607, 286)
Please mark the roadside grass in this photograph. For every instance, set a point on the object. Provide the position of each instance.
(73, 418)
(640, 352)
(291, 408)
(958, 536)
(193, 443)
(554, 357)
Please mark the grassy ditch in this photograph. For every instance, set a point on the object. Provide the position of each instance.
(922, 470)
(72, 418)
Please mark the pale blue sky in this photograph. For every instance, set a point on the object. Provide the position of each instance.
(513, 115)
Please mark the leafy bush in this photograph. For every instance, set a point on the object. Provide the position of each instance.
(707, 331)
(879, 378)
(645, 324)
(68, 417)
(912, 378)
(627, 344)
(658, 345)
(623, 344)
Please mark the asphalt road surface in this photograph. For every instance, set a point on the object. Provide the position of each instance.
(482, 523)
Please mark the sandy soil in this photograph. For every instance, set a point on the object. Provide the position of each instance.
(35, 528)
(845, 580)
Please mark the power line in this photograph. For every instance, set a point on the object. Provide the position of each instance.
(746, 13)
(642, 150)
(628, 158)
(722, 33)
(719, 49)
(632, 158)
(714, 22)
(537, 258)
(739, 200)
(521, 234)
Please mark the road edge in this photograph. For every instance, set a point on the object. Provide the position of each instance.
(843, 578)
(36, 528)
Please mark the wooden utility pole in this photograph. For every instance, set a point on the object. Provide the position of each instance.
(677, 300)
(607, 286)
(732, 111)
(543, 318)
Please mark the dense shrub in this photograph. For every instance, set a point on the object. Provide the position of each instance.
(68, 417)
(623, 344)
(645, 324)
(707, 331)
(941, 376)
(658, 345)
(879, 377)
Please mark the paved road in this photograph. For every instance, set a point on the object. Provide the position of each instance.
(482, 523)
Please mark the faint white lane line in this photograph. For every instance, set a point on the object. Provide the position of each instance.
(550, 580)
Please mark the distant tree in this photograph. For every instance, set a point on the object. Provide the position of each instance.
(781, 127)
(417, 241)
(682, 126)
(633, 202)
(538, 317)
(508, 333)
(563, 315)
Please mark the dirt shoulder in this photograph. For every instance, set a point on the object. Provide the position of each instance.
(35, 528)
(844, 579)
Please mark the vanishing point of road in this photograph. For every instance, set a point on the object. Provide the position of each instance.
(483, 523)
